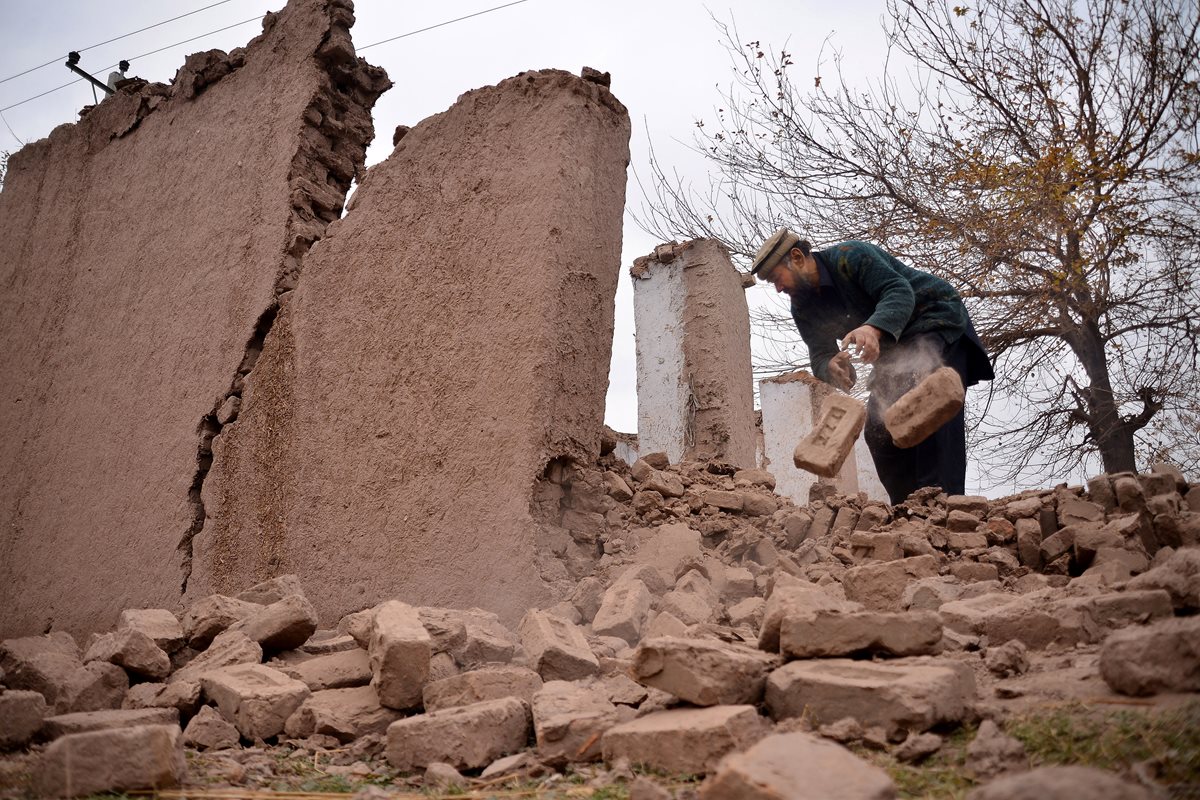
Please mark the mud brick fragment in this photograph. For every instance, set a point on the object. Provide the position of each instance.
(144, 757)
(831, 440)
(684, 740)
(926, 407)
(556, 648)
(466, 737)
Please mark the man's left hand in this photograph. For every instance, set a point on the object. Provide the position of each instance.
(866, 338)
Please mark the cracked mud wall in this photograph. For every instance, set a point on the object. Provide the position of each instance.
(141, 254)
(449, 340)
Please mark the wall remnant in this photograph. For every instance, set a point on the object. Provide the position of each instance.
(695, 386)
(791, 404)
(142, 254)
(409, 427)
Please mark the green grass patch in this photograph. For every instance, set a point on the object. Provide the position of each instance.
(1101, 737)
(1115, 740)
(942, 775)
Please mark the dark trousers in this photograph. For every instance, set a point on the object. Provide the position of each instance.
(940, 460)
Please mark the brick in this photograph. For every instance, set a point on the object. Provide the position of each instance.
(144, 757)
(106, 719)
(759, 504)
(1029, 543)
(226, 650)
(832, 439)
(283, 625)
(1056, 545)
(797, 766)
(158, 623)
(928, 594)
(486, 640)
(822, 634)
(684, 741)
(399, 653)
(1147, 660)
(208, 730)
(42, 664)
(961, 522)
(556, 648)
(665, 483)
(844, 522)
(926, 407)
(726, 501)
(703, 672)
(665, 623)
(1179, 576)
(974, 504)
(1100, 491)
(1042, 619)
(341, 670)
(957, 542)
(877, 546)
(1072, 510)
(1062, 783)
(466, 737)
(255, 698)
(478, 685)
(568, 721)
(345, 714)
(21, 715)
(211, 615)
(973, 572)
(624, 611)
(747, 613)
(795, 598)
(900, 695)
(666, 547)
(93, 687)
(616, 487)
(132, 650)
(880, 587)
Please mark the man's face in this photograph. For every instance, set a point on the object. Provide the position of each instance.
(783, 277)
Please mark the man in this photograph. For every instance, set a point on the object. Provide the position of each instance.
(904, 321)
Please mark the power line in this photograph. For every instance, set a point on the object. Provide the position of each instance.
(441, 24)
(10, 130)
(252, 19)
(115, 39)
(143, 55)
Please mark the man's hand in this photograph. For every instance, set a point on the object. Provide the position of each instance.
(841, 374)
(866, 339)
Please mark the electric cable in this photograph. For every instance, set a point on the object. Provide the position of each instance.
(252, 19)
(115, 39)
(143, 55)
(441, 24)
(10, 130)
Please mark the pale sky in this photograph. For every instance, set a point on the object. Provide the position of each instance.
(666, 58)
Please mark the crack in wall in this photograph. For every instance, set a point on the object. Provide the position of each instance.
(336, 130)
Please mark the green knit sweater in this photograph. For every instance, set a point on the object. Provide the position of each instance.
(862, 284)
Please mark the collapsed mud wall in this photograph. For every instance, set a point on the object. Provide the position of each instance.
(447, 350)
(142, 252)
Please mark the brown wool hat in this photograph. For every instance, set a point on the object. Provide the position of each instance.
(779, 243)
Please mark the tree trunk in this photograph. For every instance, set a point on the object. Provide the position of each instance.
(1113, 436)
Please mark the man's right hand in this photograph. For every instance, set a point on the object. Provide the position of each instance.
(841, 373)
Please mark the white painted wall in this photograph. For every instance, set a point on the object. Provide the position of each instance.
(787, 414)
(658, 299)
(868, 478)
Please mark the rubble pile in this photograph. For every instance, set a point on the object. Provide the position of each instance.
(713, 629)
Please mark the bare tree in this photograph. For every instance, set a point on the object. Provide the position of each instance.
(1043, 156)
